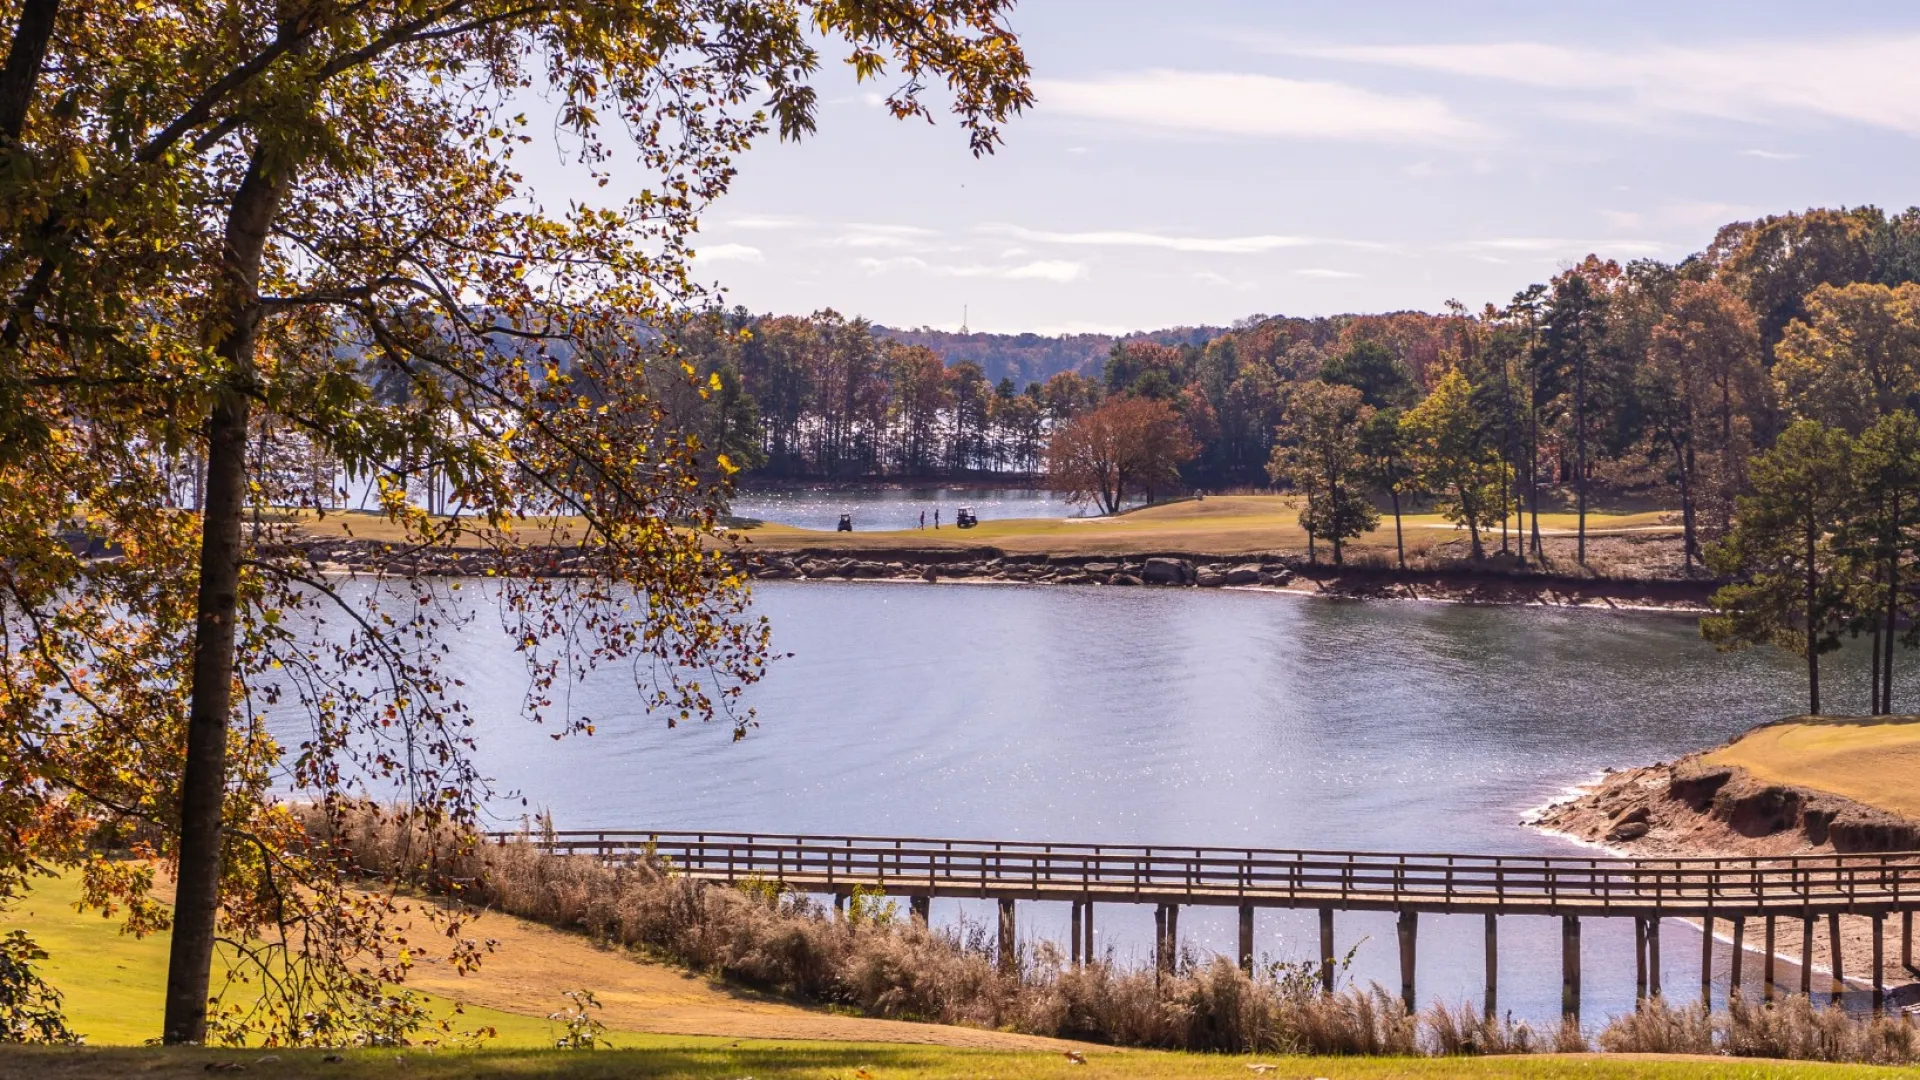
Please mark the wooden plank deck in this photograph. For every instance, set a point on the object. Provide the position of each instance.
(1867, 884)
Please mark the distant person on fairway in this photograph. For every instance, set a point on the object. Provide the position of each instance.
(936, 517)
(923, 519)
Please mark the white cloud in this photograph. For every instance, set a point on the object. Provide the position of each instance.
(1212, 245)
(1055, 270)
(729, 253)
(1224, 103)
(864, 235)
(1870, 81)
(1323, 272)
(1772, 155)
(1208, 277)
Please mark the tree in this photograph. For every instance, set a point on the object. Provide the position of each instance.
(1374, 370)
(1450, 455)
(1702, 374)
(1317, 451)
(1776, 262)
(227, 215)
(1127, 445)
(1877, 539)
(1782, 553)
(1854, 358)
(1384, 466)
(1576, 331)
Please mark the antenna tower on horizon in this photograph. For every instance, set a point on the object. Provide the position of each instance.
(963, 319)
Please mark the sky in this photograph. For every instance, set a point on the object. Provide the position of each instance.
(1197, 162)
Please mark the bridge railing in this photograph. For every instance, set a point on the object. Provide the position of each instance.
(1262, 875)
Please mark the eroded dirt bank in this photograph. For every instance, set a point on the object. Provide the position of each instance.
(1696, 807)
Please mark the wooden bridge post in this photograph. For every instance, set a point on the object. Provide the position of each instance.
(1009, 956)
(1653, 955)
(840, 903)
(1493, 965)
(1906, 940)
(1879, 963)
(1833, 944)
(1806, 954)
(1074, 934)
(1246, 938)
(1162, 956)
(1734, 981)
(1326, 949)
(1706, 961)
(1639, 959)
(921, 907)
(1086, 927)
(1767, 967)
(1570, 967)
(1409, 935)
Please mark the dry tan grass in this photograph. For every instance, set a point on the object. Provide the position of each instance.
(1791, 1029)
(1870, 760)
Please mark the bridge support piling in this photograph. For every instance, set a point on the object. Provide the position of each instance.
(1570, 967)
(1734, 982)
(921, 907)
(1493, 965)
(1326, 949)
(1009, 956)
(840, 904)
(1409, 936)
(1767, 965)
(1906, 940)
(1086, 929)
(1639, 959)
(1074, 949)
(1162, 956)
(1706, 961)
(1653, 956)
(1806, 954)
(1246, 938)
(1879, 964)
(1833, 946)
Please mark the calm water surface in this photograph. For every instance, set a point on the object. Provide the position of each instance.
(883, 509)
(1167, 717)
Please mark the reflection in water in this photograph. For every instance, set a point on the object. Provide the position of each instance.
(1170, 716)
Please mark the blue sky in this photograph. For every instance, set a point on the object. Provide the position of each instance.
(1196, 162)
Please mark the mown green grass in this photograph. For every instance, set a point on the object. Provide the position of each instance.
(818, 1062)
(114, 985)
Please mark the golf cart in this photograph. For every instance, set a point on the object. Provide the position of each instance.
(965, 519)
(846, 523)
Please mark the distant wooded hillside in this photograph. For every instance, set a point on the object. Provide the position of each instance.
(1026, 358)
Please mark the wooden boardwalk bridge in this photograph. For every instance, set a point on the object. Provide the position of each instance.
(1800, 889)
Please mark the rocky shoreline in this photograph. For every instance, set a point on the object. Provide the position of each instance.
(1695, 808)
(1453, 584)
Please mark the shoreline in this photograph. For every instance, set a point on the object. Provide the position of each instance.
(1471, 584)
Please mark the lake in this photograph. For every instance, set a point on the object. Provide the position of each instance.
(886, 508)
(1170, 716)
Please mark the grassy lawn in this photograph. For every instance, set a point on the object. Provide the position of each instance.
(820, 1062)
(1219, 525)
(1225, 525)
(1869, 760)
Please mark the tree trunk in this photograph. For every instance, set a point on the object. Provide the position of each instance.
(1893, 609)
(203, 778)
(1813, 632)
(1580, 456)
(1688, 535)
(21, 75)
(1399, 539)
(1533, 466)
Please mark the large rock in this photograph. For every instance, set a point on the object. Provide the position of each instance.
(1159, 571)
(1124, 579)
(1275, 575)
(1209, 578)
(1628, 830)
(1101, 569)
(1244, 574)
